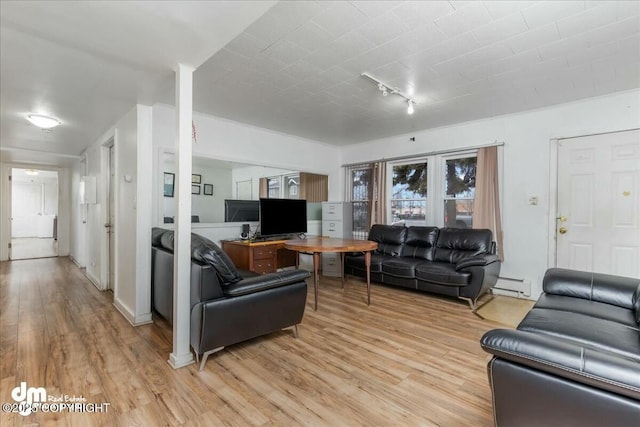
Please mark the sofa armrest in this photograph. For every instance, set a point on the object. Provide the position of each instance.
(476, 261)
(605, 288)
(596, 368)
(255, 284)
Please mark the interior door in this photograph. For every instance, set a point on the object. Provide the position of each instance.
(110, 225)
(598, 204)
(26, 209)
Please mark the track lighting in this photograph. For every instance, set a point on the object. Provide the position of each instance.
(409, 106)
(386, 90)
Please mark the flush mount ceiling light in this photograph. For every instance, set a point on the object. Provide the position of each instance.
(42, 121)
(385, 89)
(31, 172)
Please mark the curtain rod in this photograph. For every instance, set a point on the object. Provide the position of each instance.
(431, 153)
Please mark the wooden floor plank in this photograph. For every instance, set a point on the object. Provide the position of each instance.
(407, 359)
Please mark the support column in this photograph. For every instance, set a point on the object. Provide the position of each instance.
(181, 355)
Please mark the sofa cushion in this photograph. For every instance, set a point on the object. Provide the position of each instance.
(357, 262)
(590, 308)
(156, 235)
(455, 244)
(390, 238)
(420, 242)
(401, 266)
(442, 273)
(584, 330)
(205, 251)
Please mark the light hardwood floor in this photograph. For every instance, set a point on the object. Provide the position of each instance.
(408, 359)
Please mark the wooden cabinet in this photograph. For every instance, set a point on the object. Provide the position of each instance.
(259, 257)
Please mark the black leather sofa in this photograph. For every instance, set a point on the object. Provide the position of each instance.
(458, 262)
(574, 360)
(227, 306)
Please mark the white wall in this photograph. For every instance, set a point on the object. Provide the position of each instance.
(78, 218)
(527, 157)
(227, 140)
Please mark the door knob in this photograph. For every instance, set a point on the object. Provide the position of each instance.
(562, 230)
(107, 225)
(562, 218)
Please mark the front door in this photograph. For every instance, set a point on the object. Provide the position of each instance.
(597, 226)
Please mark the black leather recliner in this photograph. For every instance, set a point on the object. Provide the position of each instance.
(227, 307)
(574, 360)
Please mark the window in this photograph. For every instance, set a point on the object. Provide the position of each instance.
(292, 184)
(273, 185)
(409, 194)
(459, 191)
(359, 193)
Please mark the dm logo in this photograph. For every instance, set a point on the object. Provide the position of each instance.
(29, 396)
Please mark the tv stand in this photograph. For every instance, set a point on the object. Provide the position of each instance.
(264, 256)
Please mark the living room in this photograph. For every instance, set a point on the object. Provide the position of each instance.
(526, 128)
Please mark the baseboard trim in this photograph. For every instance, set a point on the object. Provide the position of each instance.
(93, 279)
(181, 360)
(143, 319)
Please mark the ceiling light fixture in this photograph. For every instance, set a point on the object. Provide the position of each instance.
(409, 106)
(31, 172)
(42, 121)
(385, 89)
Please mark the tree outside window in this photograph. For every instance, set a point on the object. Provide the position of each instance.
(460, 189)
(409, 194)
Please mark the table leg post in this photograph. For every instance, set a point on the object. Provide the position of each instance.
(316, 278)
(342, 269)
(367, 263)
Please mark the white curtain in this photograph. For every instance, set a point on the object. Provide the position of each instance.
(487, 200)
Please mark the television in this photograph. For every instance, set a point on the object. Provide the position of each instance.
(241, 210)
(282, 216)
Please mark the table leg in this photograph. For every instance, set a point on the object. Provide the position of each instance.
(367, 263)
(342, 268)
(316, 278)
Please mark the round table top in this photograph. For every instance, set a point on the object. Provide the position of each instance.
(330, 244)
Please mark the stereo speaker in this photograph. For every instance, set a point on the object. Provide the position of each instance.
(245, 231)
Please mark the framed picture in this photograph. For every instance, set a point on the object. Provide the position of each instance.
(208, 190)
(169, 182)
(196, 179)
(195, 189)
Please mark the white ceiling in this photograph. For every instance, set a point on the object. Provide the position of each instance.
(296, 68)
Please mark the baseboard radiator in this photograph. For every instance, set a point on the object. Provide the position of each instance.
(515, 287)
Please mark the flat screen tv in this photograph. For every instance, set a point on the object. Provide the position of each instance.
(241, 210)
(282, 216)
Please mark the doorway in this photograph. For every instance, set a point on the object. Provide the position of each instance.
(597, 226)
(34, 214)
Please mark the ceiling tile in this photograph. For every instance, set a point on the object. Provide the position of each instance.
(270, 28)
(310, 36)
(465, 19)
(587, 20)
(286, 51)
(416, 13)
(590, 54)
(546, 11)
(533, 38)
(500, 29)
(614, 31)
(500, 8)
(562, 47)
(336, 74)
(383, 29)
(376, 8)
(301, 70)
(340, 18)
(351, 44)
(246, 45)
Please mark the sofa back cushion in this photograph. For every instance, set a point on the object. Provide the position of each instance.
(205, 251)
(420, 242)
(156, 234)
(636, 304)
(455, 244)
(390, 238)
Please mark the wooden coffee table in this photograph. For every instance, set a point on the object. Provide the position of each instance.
(317, 245)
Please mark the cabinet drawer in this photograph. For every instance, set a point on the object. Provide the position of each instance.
(264, 266)
(264, 252)
(332, 211)
(332, 228)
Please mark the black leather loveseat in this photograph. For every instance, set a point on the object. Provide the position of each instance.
(226, 307)
(458, 262)
(574, 360)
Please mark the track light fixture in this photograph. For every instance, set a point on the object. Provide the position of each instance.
(385, 89)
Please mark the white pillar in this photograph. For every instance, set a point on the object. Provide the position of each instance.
(181, 355)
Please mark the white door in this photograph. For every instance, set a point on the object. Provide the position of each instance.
(597, 228)
(112, 218)
(26, 209)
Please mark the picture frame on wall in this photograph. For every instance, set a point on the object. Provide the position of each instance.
(208, 190)
(195, 189)
(169, 183)
(196, 178)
